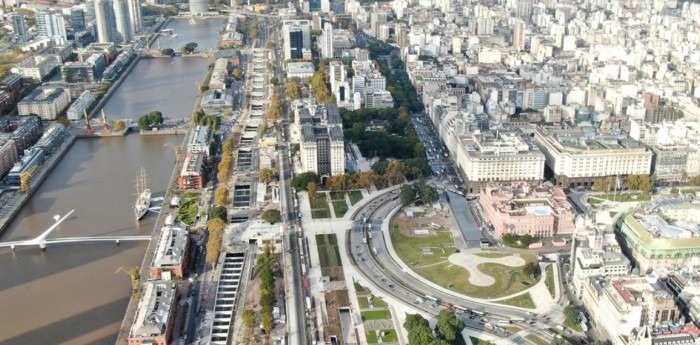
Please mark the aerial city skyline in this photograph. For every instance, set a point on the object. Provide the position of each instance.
(410, 172)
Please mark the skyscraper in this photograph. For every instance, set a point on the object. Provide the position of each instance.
(104, 18)
(297, 38)
(77, 17)
(519, 35)
(18, 25)
(135, 16)
(122, 20)
(90, 13)
(327, 41)
(199, 6)
(314, 5)
(51, 26)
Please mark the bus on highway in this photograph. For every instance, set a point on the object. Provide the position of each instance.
(503, 323)
(460, 309)
(478, 313)
(431, 298)
(517, 319)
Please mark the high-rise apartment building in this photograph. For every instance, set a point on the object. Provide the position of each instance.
(376, 19)
(297, 39)
(519, 35)
(90, 13)
(337, 74)
(523, 9)
(77, 17)
(104, 17)
(49, 25)
(135, 16)
(18, 25)
(327, 41)
(122, 20)
(199, 6)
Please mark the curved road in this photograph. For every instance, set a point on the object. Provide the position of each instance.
(377, 265)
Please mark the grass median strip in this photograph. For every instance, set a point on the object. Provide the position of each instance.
(375, 315)
(549, 279)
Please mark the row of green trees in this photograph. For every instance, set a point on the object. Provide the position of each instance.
(226, 161)
(151, 120)
(447, 329)
(216, 233)
(267, 289)
(426, 193)
(274, 111)
(518, 241)
(211, 121)
(384, 173)
(644, 183)
(319, 85)
(189, 48)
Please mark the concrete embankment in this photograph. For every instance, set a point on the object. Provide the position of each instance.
(113, 88)
(39, 177)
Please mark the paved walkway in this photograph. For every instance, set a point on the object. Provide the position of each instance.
(471, 262)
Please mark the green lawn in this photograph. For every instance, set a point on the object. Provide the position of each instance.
(389, 336)
(376, 302)
(508, 280)
(523, 301)
(319, 206)
(621, 197)
(363, 302)
(340, 208)
(318, 201)
(187, 212)
(317, 214)
(409, 248)
(549, 280)
(359, 288)
(355, 196)
(337, 195)
(575, 326)
(375, 315)
(328, 251)
(477, 341)
(536, 340)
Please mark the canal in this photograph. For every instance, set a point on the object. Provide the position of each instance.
(70, 294)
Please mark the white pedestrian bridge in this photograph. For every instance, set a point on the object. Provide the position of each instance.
(41, 241)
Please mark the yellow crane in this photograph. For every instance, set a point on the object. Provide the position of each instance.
(133, 272)
(25, 179)
(177, 149)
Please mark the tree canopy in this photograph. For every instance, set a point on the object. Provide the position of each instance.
(266, 175)
(301, 181)
(150, 120)
(167, 51)
(189, 48)
(272, 216)
(448, 325)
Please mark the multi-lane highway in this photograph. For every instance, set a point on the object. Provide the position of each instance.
(375, 262)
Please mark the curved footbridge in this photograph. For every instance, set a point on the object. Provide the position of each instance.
(41, 241)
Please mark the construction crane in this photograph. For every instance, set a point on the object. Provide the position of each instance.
(177, 149)
(105, 124)
(25, 179)
(88, 129)
(133, 272)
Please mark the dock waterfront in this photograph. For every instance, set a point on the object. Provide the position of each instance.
(129, 314)
(20, 199)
